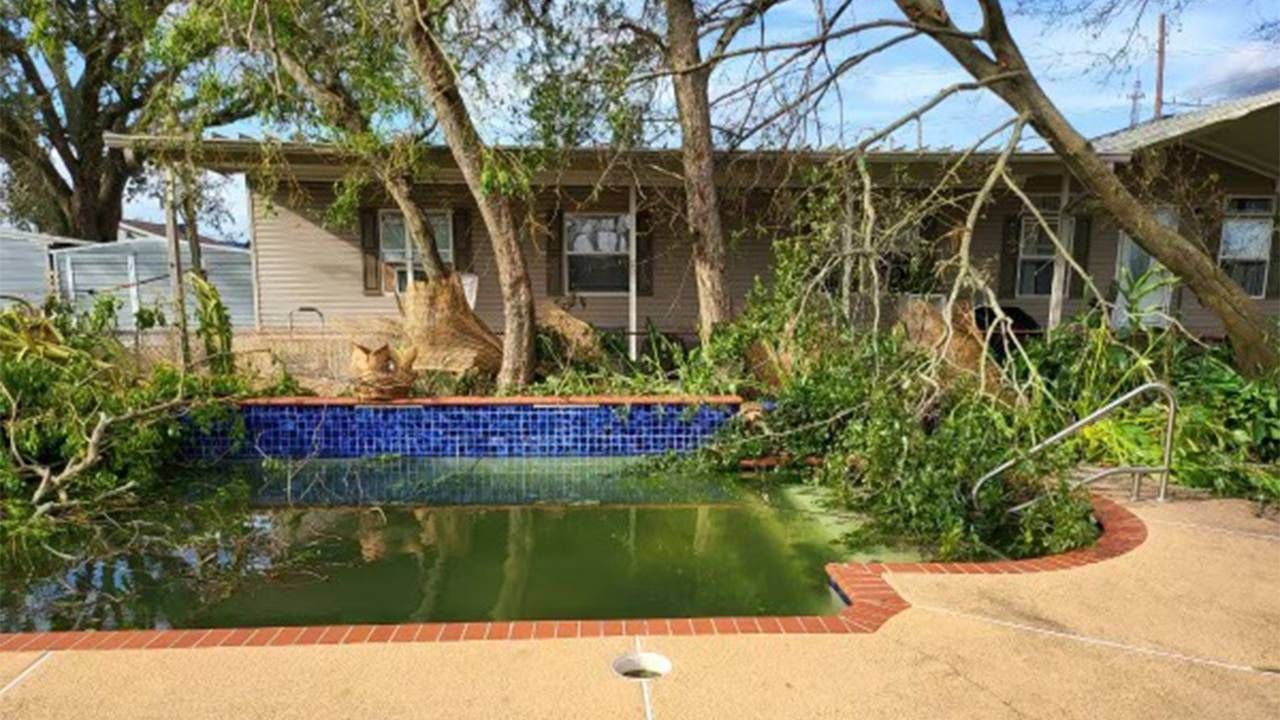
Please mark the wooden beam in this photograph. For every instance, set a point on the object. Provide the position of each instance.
(176, 287)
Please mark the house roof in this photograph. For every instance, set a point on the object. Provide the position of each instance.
(155, 229)
(586, 165)
(16, 235)
(1245, 131)
(147, 239)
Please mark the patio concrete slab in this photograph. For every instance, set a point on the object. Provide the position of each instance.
(923, 666)
(530, 679)
(12, 665)
(1183, 626)
(1199, 585)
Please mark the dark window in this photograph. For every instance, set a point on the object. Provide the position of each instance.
(1035, 277)
(597, 254)
(598, 273)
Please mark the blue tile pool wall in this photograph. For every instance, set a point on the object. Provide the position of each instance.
(353, 431)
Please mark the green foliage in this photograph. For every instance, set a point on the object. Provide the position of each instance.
(508, 174)
(213, 326)
(112, 65)
(84, 429)
(862, 408)
(1227, 437)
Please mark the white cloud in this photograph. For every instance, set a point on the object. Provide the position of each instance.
(1247, 70)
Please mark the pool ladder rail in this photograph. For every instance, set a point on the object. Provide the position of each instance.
(1138, 471)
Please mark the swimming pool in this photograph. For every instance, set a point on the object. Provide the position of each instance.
(394, 540)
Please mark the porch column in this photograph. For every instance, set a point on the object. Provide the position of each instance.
(175, 265)
(633, 320)
(1058, 290)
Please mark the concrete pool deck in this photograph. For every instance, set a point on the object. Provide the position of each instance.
(1185, 625)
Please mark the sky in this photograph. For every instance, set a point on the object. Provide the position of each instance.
(1212, 55)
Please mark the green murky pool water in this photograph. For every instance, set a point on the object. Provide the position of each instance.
(330, 542)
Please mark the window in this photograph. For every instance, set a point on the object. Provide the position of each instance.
(1144, 287)
(1036, 249)
(398, 253)
(1247, 230)
(596, 251)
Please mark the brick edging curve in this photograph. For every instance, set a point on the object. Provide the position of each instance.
(872, 603)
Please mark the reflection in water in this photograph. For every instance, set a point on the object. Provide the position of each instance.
(475, 481)
(521, 563)
(678, 547)
(341, 565)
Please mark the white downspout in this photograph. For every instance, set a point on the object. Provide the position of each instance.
(70, 285)
(135, 300)
(633, 319)
(1058, 290)
(253, 257)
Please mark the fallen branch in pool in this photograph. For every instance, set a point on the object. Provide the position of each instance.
(59, 482)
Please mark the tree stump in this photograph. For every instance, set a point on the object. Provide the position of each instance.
(446, 333)
(581, 341)
(961, 354)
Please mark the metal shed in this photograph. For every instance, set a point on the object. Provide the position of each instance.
(25, 271)
(136, 271)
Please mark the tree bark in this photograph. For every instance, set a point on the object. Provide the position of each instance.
(468, 150)
(419, 227)
(690, 80)
(335, 101)
(1240, 316)
(191, 230)
(88, 74)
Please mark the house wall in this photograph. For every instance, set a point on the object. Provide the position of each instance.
(1228, 179)
(300, 262)
(1232, 180)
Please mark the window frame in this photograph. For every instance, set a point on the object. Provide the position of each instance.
(565, 253)
(1024, 216)
(1166, 305)
(1227, 214)
(410, 251)
(1121, 236)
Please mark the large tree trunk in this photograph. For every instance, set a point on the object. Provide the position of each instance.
(690, 80)
(418, 225)
(1010, 78)
(97, 200)
(467, 148)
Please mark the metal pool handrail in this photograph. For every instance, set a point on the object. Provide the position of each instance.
(1138, 470)
(306, 309)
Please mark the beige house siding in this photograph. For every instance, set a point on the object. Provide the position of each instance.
(1105, 242)
(1232, 180)
(301, 263)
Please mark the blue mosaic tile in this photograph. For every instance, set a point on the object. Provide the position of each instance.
(353, 431)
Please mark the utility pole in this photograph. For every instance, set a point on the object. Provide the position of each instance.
(1161, 39)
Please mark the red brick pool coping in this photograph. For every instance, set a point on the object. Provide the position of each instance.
(873, 601)
(486, 400)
